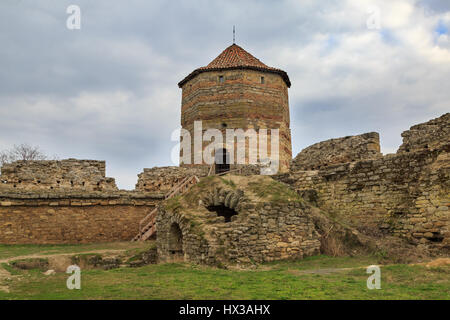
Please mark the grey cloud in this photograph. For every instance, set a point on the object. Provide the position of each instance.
(109, 91)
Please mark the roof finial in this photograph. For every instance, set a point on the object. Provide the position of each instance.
(234, 35)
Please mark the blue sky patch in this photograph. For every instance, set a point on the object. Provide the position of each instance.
(441, 28)
(388, 37)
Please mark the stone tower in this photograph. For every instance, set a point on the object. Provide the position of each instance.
(237, 91)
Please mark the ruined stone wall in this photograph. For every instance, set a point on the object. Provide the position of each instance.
(430, 135)
(240, 102)
(405, 194)
(261, 231)
(70, 174)
(340, 150)
(162, 179)
(44, 217)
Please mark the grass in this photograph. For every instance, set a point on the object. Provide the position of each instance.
(173, 203)
(276, 280)
(257, 188)
(8, 251)
(273, 191)
(228, 182)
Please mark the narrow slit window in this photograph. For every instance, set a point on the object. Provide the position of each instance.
(262, 80)
(220, 79)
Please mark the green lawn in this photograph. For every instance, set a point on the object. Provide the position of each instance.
(311, 278)
(13, 250)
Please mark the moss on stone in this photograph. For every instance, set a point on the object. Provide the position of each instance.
(274, 191)
(172, 204)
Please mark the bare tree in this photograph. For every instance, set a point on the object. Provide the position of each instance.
(21, 152)
(4, 157)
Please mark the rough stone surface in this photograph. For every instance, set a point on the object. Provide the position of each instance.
(70, 174)
(162, 179)
(430, 135)
(241, 101)
(50, 217)
(262, 230)
(334, 151)
(405, 194)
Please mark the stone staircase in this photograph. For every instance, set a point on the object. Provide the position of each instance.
(147, 226)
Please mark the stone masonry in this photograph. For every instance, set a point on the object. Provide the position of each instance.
(237, 91)
(405, 194)
(334, 151)
(70, 174)
(67, 201)
(75, 217)
(162, 179)
(262, 229)
(430, 135)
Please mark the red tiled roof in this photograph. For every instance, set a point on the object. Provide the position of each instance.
(234, 57)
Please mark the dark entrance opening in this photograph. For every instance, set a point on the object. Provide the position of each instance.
(222, 161)
(436, 237)
(176, 241)
(223, 211)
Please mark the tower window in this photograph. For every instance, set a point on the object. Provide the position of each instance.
(220, 79)
(262, 80)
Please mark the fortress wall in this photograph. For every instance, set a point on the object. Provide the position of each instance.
(427, 136)
(406, 194)
(69, 174)
(162, 179)
(52, 218)
(341, 150)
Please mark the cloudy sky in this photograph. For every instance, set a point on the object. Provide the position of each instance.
(109, 90)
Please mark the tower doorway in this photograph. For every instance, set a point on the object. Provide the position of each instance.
(222, 161)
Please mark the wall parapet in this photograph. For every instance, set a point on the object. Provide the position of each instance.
(76, 217)
(69, 174)
(405, 194)
(336, 151)
(163, 179)
(430, 135)
(124, 195)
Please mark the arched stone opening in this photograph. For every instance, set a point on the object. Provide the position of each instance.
(223, 211)
(176, 242)
(221, 161)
